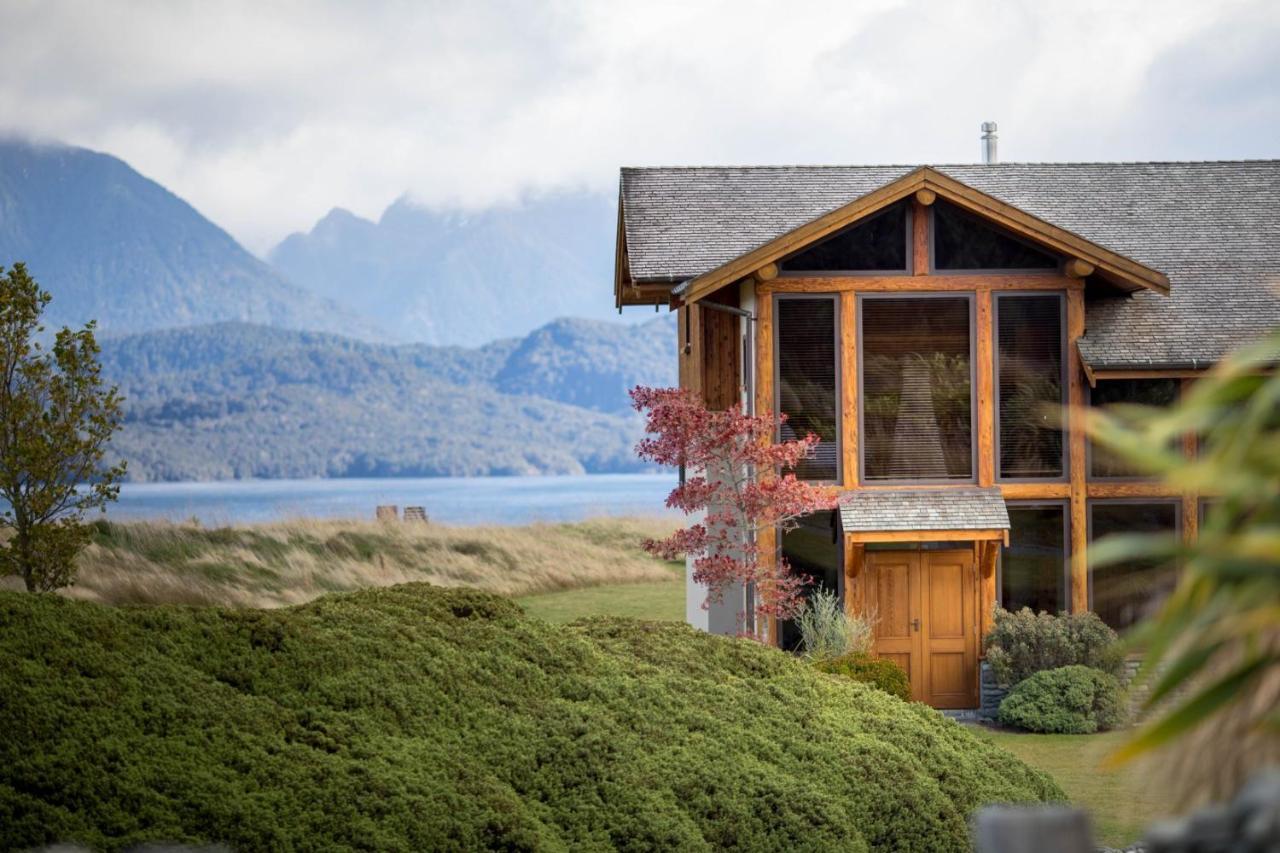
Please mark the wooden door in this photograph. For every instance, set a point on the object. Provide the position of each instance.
(893, 596)
(925, 606)
(949, 629)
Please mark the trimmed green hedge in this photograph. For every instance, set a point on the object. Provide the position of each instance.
(881, 674)
(1068, 700)
(419, 718)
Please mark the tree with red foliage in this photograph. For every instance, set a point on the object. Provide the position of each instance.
(735, 469)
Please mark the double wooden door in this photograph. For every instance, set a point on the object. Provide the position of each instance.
(924, 604)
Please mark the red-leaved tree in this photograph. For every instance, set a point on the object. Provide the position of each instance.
(741, 477)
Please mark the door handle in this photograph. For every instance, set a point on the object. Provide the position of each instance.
(915, 624)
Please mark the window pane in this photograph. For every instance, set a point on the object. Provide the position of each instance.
(1147, 392)
(807, 392)
(1029, 341)
(1126, 593)
(962, 241)
(812, 549)
(1033, 564)
(877, 244)
(916, 394)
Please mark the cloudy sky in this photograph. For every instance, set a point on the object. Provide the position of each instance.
(267, 114)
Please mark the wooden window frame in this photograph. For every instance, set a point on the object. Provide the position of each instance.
(842, 579)
(1088, 446)
(996, 297)
(934, 269)
(972, 298)
(1175, 502)
(907, 236)
(834, 298)
(1065, 505)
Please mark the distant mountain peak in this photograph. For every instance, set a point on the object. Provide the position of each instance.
(462, 277)
(117, 247)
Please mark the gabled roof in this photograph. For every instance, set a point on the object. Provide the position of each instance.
(1213, 229)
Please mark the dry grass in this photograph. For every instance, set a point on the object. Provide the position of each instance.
(272, 565)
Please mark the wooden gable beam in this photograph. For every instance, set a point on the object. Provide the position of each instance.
(1083, 256)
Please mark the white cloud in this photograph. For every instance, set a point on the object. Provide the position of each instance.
(266, 115)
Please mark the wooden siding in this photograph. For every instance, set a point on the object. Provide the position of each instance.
(722, 353)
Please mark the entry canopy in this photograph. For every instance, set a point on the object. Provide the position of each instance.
(921, 515)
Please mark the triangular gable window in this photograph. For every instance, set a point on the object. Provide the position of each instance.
(877, 244)
(962, 241)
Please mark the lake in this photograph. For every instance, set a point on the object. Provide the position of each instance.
(453, 500)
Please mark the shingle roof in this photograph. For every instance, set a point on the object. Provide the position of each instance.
(1213, 228)
(923, 509)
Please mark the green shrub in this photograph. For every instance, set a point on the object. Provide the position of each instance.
(881, 674)
(416, 718)
(1023, 643)
(828, 631)
(1068, 700)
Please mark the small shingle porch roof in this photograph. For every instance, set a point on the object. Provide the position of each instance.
(1212, 228)
(914, 510)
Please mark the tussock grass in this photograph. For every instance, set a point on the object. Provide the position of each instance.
(284, 563)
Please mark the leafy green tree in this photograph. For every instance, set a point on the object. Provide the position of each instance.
(56, 417)
(1212, 652)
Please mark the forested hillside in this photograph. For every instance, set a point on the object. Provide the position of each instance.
(235, 400)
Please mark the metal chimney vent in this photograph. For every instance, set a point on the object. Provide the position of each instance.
(988, 142)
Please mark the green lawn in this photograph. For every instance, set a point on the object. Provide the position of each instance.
(1120, 804)
(663, 600)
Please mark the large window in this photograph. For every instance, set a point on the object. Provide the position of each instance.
(917, 389)
(813, 549)
(808, 379)
(1031, 387)
(962, 241)
(1123, 594)
(876, 244)
(1111, 392)
(1033, 566)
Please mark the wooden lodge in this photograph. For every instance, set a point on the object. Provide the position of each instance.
(923, 322)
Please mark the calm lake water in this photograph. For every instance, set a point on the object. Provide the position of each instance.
(454, 500)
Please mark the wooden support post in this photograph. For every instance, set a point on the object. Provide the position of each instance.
(1076, 445)
(1190, 500)
(987, 552)
(986, 395)
(849, 387)
(855, 594)
(766, 540)
(919, 238)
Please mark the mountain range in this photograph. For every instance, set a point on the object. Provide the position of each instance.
(422, 344)
(453, 278)
(118, 248)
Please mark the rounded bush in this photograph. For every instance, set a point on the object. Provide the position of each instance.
(1022, 643)
(881, 674)
(417, 718)
(1068, 700)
